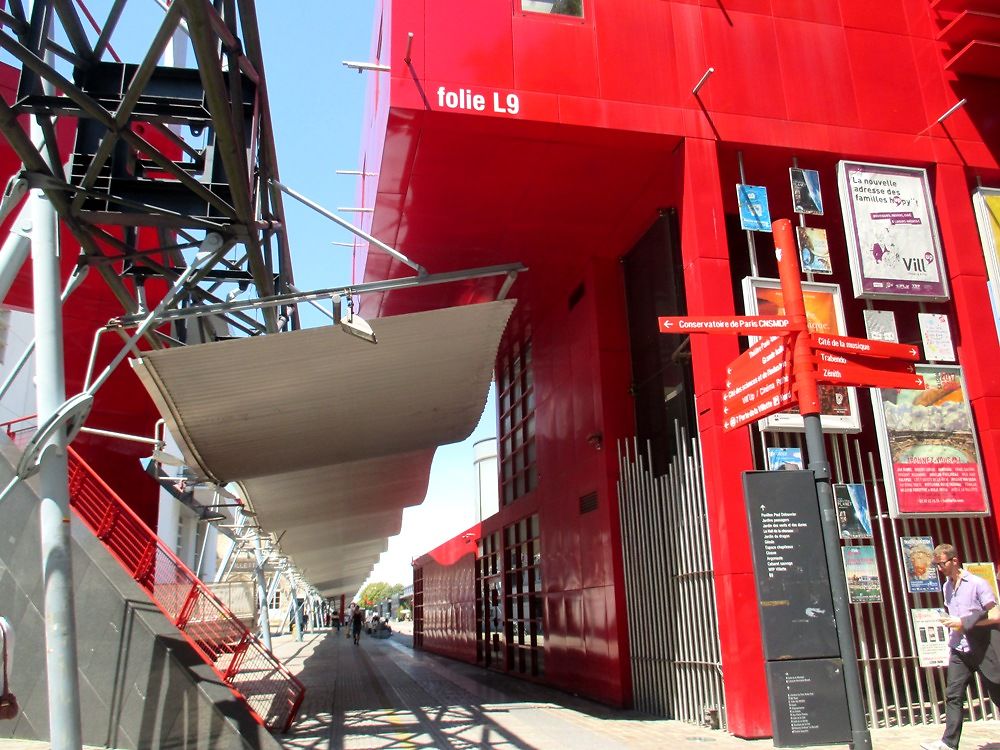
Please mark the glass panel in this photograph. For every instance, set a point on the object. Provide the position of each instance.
(533, 521)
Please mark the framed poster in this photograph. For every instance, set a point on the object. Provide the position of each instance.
(987, 572)
(881, 325)
(754, 212)
(861, 571)
(931, 637)
(853, 518)
(930, 455)
(825, 314)
(987, 203)
(892, 235)
(806, 195)
(935, 333)
(918, 564)
(814, 251)
(784, 459)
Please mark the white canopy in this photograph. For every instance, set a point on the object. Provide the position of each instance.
(330, 436)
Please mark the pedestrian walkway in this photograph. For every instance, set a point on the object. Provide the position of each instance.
(384, 695)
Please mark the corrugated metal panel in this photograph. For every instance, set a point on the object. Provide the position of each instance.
(331, 436)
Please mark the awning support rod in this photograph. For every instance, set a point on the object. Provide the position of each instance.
(291, 299)
(350, 227)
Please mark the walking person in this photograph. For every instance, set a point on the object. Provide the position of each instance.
(357, 621)
(974, 641)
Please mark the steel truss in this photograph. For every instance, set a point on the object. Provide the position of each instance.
(133, 167)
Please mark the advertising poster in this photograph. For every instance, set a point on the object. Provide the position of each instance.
(988, 573)
(931, 637)
(918, 564)
(987, 203)
(936, 336)
(852, 511)
(806, 195)
(784, 459)
(880, 325)
(891, 231)
(930, 455)
(861, 572)
(825, 314)
(754, 213)
(814, 252)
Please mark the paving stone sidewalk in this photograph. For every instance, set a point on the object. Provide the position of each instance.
(383, 694)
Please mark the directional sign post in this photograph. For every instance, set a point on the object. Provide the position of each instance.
(808, 395)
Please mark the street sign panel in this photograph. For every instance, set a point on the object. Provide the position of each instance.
(886, 365)
(753, 360)
(740, 325)
(853, 374)
(765, 399)
(865, 347)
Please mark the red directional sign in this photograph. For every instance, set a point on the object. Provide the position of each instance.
(865, 347)
(759, 383)
(738, 415)
(885, 365)
(757, 357)
(740, 325)
(854, 374)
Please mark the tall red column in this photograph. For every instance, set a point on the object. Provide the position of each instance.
(705, 253)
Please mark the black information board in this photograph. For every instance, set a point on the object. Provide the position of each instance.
(793, 586)
(808, 702)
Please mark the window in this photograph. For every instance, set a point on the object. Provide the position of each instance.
(516, 399)
(558, 7)
(523, 587)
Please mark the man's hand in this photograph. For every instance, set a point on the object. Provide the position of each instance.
(952, 623)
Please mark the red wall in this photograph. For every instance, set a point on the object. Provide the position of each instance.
(450, 597)
(608, 133)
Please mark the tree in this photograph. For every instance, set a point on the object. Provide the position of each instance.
(377, 592)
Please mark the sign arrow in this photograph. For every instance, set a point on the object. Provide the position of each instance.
(740, 325)
(854, 374)
(824, 359)
(865, 347)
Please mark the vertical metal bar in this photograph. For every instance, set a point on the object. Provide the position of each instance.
(262, 616)
(54, 520)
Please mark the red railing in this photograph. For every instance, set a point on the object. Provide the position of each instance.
(272, 693)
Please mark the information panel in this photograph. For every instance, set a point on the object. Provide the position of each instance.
(793, 586)
(808, 702)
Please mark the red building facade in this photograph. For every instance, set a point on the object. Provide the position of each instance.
(601, 146)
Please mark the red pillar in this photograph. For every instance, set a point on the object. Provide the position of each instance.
(975, 336)
(726, 455)
(343, 606)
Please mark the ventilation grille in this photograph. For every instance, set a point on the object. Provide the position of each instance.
(588, 503)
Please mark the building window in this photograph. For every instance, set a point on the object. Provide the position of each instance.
(558, 7)
(418, 607)
(525, 633)
(516, 398)
(490, 618)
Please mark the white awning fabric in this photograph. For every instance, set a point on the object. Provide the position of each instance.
(330, 436)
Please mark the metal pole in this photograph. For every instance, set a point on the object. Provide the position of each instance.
(791, 288)
(262, 616)
(53, 517)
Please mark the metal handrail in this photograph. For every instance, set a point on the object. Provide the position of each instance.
(272, 694)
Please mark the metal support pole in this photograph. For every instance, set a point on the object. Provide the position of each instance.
(262, 616)
(53, 517)
(791, 286)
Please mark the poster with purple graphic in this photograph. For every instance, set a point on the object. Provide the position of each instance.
(892, 234)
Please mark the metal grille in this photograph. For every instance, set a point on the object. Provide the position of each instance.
(676, 666)
(897, 691)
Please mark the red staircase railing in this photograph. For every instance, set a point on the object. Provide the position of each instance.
(271, 692)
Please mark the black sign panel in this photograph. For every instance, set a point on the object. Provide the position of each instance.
(793, 586)
(808, 702)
